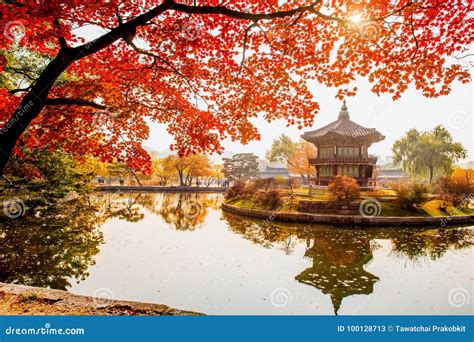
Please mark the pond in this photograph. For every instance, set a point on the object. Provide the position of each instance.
(183, 251)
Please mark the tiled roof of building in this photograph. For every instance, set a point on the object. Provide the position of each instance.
(343, 127)
(391, 173)
(276, 169)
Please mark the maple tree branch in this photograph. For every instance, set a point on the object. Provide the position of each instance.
(62, 40)
(19, 90)
(173, 69)
(414, 37)
(124, 30)
(244, 48)
(121, 31)
(19, 71)
(242, 15)
(60, 101)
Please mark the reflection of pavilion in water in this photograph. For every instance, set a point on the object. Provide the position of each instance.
(338, 267)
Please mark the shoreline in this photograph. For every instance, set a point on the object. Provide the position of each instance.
(29, 300)
(351, 220)
(156, 188)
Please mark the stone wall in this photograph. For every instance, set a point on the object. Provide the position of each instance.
(351, 220)
(334, 207)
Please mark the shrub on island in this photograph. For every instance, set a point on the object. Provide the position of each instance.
(411, 194)
(454, 190)
(344, 188)
(270, 199)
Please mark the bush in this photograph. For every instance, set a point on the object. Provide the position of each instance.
(237, 189)
(259, 184)
(241, 188)
(454, 190)
(344, 188)
(270, 199)
(412, 194)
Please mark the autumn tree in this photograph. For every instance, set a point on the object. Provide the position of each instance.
(463, 174)
(164, 168)
(427, 153)
(241, 166)
(299, 161)
(213, 174)
(281, 151)
(206, 69)
(294, 155)
(191, 167)
(344, 188)
(456, 188)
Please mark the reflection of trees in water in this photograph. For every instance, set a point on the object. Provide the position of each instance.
(432, 243)
(50, 245)
(339, 256)
(122, 206)
(183, 211)
(268, 234)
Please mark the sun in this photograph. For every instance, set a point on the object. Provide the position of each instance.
(356, 18)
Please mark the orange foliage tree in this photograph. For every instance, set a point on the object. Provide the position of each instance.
(299, 162)
(344, 188)
(458, 188)
(205, 69)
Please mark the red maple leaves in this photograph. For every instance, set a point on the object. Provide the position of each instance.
(206, 70)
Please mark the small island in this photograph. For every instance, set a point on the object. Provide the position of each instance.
(343, 189)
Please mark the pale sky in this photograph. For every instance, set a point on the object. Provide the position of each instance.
(391, 118)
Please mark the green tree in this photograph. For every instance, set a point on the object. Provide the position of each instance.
(52, 174)
(427, 153)
(282, 150)
(241, 166)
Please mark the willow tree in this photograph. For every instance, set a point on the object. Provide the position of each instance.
(427, 153)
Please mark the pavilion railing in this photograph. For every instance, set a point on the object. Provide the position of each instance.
(344, 160)
(359, 179)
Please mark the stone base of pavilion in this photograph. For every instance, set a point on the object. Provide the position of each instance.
(350, 220)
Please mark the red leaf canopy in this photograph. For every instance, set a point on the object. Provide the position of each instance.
(205, 68)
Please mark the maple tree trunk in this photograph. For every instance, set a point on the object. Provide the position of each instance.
(30, 107)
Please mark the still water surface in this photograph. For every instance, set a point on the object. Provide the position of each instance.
(183, 251)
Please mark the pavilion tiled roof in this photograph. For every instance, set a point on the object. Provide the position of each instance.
(344, 127)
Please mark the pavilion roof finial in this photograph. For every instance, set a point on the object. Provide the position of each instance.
(344, 114)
